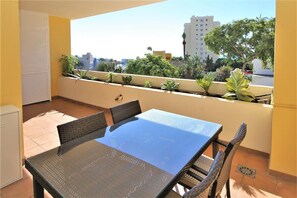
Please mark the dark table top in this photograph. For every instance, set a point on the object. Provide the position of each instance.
(139, 157)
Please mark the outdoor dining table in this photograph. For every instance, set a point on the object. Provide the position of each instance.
(143, 156)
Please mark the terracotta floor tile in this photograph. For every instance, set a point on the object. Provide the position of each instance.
(259, 163)
(42, 139)
(286, 188)
(261, 182)
(20, 189)
(50, 145)
(34, 151)
(208, 151)
(35, 132)
(249, 191)
(29, 144)
(240, 157)
(65, 118)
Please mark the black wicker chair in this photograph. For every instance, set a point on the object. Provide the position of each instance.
(201, 167)
(201, 190)
(81, 127)
(124, 111)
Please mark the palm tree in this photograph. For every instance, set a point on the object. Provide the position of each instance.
(149, 48)
(184, 44)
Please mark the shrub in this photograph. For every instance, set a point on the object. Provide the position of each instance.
(126, 80)
(223, 73)
(170, 85)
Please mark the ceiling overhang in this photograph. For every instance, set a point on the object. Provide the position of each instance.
(76, 9)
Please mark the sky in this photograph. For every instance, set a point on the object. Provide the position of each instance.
(128, 33)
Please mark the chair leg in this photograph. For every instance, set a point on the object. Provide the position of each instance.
(228, 188)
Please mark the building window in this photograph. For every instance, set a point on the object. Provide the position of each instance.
(201, 20)
(201, 34)
(201, 25)
(206, 19)
(201, 29)
(196, 29)
(206, 29)
(206, 24)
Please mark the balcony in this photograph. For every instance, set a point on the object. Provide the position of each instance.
(40, 134)
(40, 120)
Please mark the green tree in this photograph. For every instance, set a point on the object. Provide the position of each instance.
(152, 65)
(209, 65)
(244, 40)
(223, 73)
(106, 66)
(191, 68)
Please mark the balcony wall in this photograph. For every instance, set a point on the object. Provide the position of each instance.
(229, 113)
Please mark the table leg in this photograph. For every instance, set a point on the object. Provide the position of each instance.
(38, 189)
(215, 147)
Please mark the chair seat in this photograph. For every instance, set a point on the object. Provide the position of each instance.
(204, 162)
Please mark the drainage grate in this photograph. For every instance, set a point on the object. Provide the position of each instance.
(250, 172)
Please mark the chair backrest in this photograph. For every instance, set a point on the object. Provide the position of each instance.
(80, 127)
(230, 150)
(201, 190)
(124, 111)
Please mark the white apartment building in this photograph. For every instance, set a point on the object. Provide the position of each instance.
(195, 32)
(88, 61)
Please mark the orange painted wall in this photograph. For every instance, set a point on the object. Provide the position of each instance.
(10, 68)
(59, 31)
(11, 88)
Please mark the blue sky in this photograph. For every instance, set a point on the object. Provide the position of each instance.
(128, 33)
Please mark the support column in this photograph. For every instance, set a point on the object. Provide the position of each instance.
(283, 147)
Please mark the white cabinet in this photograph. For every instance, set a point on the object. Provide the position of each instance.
(10, 145)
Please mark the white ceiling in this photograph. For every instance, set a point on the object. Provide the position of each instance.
(75, 9)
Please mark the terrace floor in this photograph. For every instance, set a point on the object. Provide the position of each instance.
(40, 134)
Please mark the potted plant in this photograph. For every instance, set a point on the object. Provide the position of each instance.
(68, 63)
(206, 81)
(170, 85)
(126, 80)
(237, 86)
